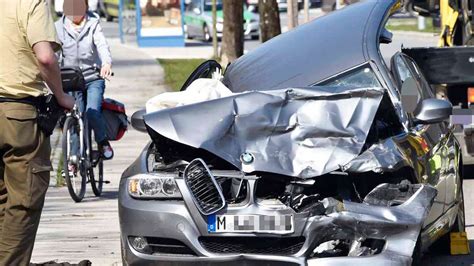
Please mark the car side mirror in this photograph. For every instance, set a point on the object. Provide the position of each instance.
(138, 121)
(431, 111)
(197, 11)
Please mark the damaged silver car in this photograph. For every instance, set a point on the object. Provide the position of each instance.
(323, 155)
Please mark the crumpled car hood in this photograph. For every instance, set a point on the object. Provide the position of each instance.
(299, 132)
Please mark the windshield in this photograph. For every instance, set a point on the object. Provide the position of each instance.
(362, 77)
(208, 5)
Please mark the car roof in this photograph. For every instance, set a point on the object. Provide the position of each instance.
(314, 51)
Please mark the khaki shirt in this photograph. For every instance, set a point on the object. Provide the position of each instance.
(23, 23)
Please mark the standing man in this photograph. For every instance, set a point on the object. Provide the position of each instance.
(27, 43)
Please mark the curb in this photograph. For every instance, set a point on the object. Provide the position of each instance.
(415, 33)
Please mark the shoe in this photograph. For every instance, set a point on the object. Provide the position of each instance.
(106, 151)
(71, 170)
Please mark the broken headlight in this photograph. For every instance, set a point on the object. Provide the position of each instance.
(154, 186)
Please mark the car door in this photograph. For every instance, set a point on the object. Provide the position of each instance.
(188, 16)
(448, 149)
(192, 18)
(430, 142)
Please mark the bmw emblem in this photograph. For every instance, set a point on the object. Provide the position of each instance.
(247, 158)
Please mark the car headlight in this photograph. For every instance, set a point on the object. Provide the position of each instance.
(154, 186)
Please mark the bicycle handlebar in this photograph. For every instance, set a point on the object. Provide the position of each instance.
(95, 68)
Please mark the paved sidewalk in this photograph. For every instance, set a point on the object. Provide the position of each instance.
(90, 230)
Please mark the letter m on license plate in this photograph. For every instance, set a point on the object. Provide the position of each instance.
(278, 224)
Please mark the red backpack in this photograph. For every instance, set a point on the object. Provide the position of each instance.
(116, 120)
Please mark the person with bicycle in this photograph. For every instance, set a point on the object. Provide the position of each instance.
(85, 46)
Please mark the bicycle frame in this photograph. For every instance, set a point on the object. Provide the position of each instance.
(84, 145)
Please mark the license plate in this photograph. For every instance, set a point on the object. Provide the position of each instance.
(281, 224)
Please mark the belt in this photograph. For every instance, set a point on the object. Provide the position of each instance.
(28, 100)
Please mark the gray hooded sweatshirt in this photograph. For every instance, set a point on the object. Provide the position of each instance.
(84, 49)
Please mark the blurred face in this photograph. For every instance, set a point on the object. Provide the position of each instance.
(75, 10)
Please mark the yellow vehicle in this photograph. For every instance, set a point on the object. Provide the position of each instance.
(110, 8)
(450, 66)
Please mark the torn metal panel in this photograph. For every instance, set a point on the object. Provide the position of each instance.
(301, 132)
(385, 156)
(399, 226)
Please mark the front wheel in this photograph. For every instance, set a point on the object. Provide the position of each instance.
(108, 17)
(443, 245)
(73, 169)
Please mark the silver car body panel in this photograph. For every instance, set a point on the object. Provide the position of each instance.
(266, 119)
(281, 133)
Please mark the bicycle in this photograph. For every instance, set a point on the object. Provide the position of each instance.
(80, 154)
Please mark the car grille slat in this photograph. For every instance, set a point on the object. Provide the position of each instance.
(285, 246)
(167, 246)
(205, 191)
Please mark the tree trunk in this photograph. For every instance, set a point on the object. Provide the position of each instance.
(306, 11)
(292, 14)
(214, 28)
(233, 39)
(269, 19)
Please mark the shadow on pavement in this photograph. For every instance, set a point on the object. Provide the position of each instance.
(197, 43)
(468, 172)
(433, 259)
(106, 195)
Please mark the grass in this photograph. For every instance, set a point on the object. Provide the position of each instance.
(59, 176)
(411, 25)
(177, 71)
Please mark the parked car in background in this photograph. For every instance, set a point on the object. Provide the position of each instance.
(58, 6)
(322, 154)
(283, 5)
(109, 9)
(198, 20)
(330, 5)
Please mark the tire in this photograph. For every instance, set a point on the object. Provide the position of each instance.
(186, 33)
(73, 180)
(108, 17)
(96, 170)
(96, 175)
(255, 37)
(206, 33)
(443, 244)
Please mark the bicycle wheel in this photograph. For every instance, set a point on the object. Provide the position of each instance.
(73, 169)
(96, 175)
(96, 172)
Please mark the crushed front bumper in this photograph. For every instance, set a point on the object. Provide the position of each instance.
(181, 222)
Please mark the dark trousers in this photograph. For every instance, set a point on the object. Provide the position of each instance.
(24, 178)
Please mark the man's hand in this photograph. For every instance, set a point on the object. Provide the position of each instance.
(65, 100)
(106, 71)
